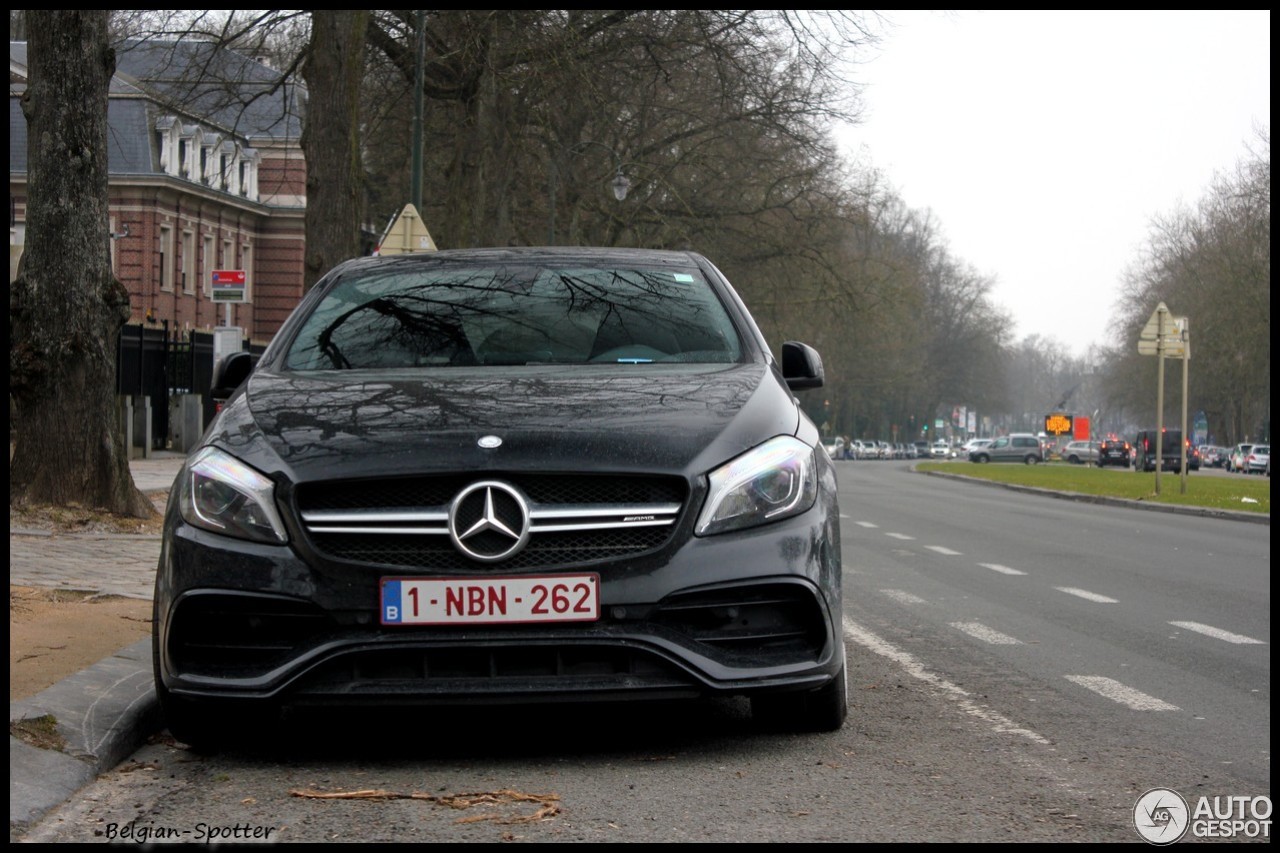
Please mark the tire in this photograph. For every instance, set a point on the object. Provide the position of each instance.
(821, 710)
(1074, 460)
(198, 727)
(205, 727)
(1032, 459)
(982, 459)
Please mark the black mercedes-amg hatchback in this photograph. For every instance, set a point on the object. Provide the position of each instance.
(507, 475)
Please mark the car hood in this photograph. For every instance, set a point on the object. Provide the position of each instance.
(683, 419)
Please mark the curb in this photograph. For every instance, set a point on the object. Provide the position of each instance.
(104, 713)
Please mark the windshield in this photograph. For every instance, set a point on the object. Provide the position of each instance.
(451, 315)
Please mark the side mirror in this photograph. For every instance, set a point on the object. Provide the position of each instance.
(231, 374)
(801, 366)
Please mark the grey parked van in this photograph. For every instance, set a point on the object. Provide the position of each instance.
(1015, 447)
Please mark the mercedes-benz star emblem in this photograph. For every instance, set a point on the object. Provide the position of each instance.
(489, 521)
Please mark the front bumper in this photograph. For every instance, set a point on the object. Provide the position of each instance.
(737, 613)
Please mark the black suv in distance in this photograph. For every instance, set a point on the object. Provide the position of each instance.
(1113, 451)
(1144, 445)
(503, 476)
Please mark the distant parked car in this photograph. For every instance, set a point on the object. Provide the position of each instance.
(1259, 460)
(1193, 457)
(1235, 460)
(1212, 456)
(973, 444)
(1170, 452)
(1114, 451)
(1080, 452)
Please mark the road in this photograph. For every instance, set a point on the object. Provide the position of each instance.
(1022, 669)
(1087, 623)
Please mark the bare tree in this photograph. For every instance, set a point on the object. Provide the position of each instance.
(65, 307)
(333, 68)
(1212, 264)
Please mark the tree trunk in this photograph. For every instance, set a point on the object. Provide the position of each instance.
(333, 70)
(66, 307)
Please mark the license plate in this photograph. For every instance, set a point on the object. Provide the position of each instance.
(491, 600)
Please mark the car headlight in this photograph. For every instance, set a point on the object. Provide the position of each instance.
(776, 480)
(226, 496)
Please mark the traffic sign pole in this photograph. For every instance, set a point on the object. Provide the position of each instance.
(1164, 337)
(1162, 313)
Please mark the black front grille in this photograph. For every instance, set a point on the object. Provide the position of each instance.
(549, 550)
(435, 552)
(783, 621)
(469, 671)
(241, 635)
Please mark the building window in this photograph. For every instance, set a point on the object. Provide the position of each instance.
(246, 263)
(228, 255)
(166, 257)
(188, 262)
(111, 226)
(210, 264)
(17, 239)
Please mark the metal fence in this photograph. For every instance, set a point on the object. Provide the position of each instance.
(152, 363)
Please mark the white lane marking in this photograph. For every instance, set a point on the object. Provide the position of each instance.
(902, 596)
(1117, 692)
(867, 524)
(942, 550)
(998, 723)
(900, 536)
(1218, 633)
(988, 635)
(1004, 570)
(1085, 594)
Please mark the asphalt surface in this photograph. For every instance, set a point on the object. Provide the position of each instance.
(107, 711)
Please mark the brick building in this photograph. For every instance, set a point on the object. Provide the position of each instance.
(205, 173)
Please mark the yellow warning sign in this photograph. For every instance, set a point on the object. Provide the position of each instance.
(407, 233)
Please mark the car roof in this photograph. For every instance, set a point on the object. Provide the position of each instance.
(560, 254)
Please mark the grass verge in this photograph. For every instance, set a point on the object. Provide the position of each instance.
(1242, 494)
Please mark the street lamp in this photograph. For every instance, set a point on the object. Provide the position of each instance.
(620, 184)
